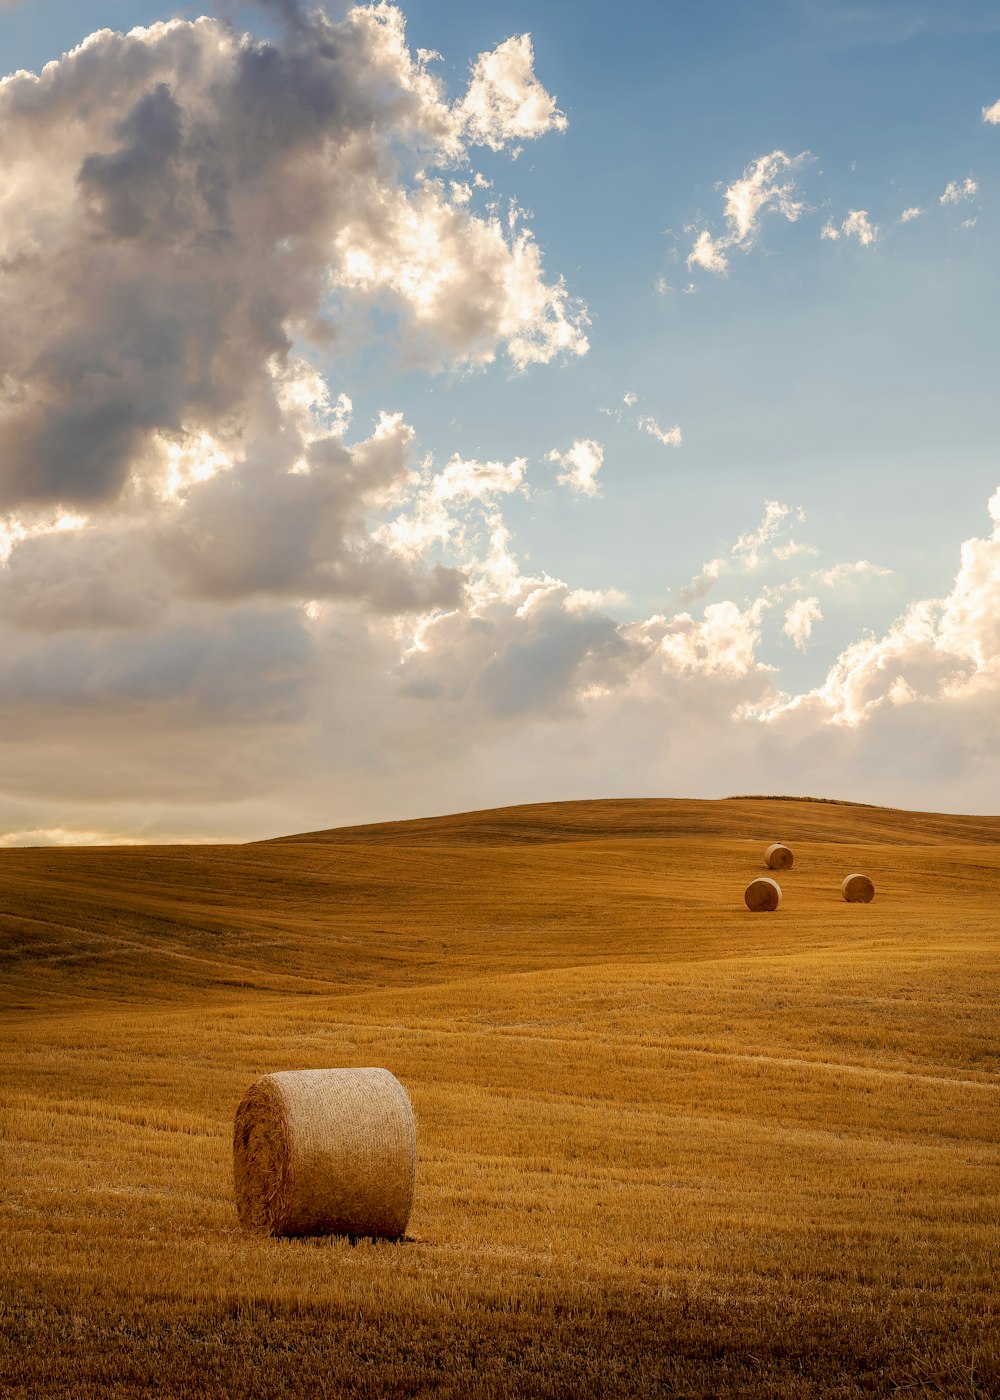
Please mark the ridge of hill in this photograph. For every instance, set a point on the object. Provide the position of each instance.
(475, 894)
(650, 818)
(666, 1146)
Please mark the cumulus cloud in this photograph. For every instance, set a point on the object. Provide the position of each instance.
(529, 648)
(722, 642)
(762, 187)
(856, 225)
(580, 466)
(800, 619)
(205, 203)
(767, 184)
(992, 114)
(939, 652)
(449, 507)
(301, 534)
(207, 555)
(289, 520)
(709, 253)
(464, 284)
(505, 101)
(956, 191)
(908, 215)
(278, 716)
(200, 553)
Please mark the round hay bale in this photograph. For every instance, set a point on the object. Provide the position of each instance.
(325, 1152)
(778, 857)
(857, 889)
(762, 896)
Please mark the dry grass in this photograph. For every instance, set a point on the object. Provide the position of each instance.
(666, 1147)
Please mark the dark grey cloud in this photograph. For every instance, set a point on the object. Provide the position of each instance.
(177, 205)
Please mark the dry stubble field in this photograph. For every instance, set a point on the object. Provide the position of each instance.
(666, 1147)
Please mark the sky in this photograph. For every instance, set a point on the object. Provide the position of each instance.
(410, 409)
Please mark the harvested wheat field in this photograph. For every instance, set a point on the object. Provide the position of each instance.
(665, 1146)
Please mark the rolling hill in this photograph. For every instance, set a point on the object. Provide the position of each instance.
(665, 1146)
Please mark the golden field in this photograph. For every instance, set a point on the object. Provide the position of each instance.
(666, 1147)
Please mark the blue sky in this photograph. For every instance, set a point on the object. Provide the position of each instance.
(837, 359)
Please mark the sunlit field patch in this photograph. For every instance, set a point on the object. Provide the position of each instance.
(665, 1146)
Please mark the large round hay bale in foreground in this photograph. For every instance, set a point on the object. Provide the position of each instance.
(762, 896)
(325, 1152)
(857, 889)
(778, 857)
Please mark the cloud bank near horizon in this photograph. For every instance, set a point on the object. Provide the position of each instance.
(225, 609)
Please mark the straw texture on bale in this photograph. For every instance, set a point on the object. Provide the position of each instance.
(857, 889)
(778, 857)
(762, 896)
(325, 1152)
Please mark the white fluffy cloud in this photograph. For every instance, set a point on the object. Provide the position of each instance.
(580, 466)
(957, 191)
(230, 606)
(204, 203)
(940, 652)
(709, 253)
(722, 642)
(279, 716)
(198, 555)
(465, 284)
(856, 225)
(767, 183)
(528, 647)
(451, 507)
(992, 114)
(800, 619)
(208, 214)
(505, 101)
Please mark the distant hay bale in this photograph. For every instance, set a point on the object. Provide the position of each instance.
(325, 1152)
(762, 896)
(778, 857)
(857, 889)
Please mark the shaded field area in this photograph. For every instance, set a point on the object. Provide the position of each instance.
(666, 1147)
